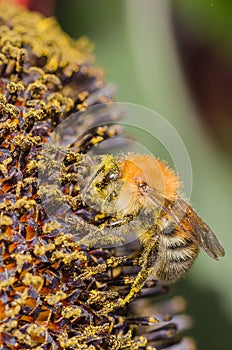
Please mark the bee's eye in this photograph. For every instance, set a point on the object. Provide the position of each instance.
(112, 176)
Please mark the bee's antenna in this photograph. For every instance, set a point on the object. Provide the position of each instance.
(91, 180)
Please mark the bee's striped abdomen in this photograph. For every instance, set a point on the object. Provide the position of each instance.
(176, 254)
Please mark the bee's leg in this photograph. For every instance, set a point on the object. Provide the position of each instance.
(149, 246)
(138, 283)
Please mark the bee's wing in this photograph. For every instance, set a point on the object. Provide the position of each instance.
(201, 234)
(189, 222)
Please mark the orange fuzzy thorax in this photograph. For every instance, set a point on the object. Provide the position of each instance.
(152, 171)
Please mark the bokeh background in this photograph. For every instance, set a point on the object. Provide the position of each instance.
(175, 57)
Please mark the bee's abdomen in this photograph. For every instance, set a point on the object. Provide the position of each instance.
(176, 254)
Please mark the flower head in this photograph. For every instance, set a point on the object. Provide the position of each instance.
(54, 292)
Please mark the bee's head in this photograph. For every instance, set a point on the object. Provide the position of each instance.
(123, 185)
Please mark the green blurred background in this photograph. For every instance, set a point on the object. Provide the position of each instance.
(175, 57)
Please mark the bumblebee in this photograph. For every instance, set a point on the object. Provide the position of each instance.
(142, 193)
